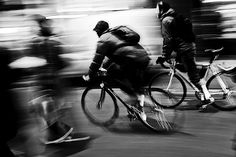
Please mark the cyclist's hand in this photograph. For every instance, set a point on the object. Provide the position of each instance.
(160, 60)
(102, 69)
(86, 77)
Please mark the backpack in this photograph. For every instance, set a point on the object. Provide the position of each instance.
(184, 28)
(126, 34)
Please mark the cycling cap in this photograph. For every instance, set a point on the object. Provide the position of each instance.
(101, 26)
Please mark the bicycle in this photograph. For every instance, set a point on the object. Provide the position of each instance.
(99, 104)
(168, 89)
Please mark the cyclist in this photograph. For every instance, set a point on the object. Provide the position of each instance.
(129, 60)
(183, 45)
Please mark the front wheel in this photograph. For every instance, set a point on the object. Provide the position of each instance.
(99, 106)
(166, 91)
(223, 101)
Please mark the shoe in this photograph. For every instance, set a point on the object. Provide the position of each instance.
(206, 102)
(74, 137)
(58, 132)
(141, 112)
(207, 107)
(143, 116)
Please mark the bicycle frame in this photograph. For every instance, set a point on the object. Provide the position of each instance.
(173, 71)
(211, 69)
(104, 87)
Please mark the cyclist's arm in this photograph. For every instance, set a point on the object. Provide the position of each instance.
(98, 58)
(107, 63)
(168, 39)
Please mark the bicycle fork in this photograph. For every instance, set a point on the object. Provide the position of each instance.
(102, 96)
(171, 78)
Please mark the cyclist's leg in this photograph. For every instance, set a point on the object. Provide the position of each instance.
(188, 59)
(50, 104)
(130, 80)
(119, 75)
(135, 75)
(137, 79)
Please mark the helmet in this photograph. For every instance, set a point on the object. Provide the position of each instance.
(101, 26)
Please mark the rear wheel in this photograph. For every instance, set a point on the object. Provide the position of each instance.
(167, 92)
(159, 119)
(224, 102)
(100, 106)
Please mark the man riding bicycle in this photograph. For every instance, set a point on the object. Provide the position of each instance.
(126, 57)
(178, 40)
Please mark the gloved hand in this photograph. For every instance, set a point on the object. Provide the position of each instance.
(86, 77)
(161, 60)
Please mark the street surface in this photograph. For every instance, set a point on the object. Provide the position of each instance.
(201, 135)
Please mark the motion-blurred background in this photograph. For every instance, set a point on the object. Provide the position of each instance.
(214, 23)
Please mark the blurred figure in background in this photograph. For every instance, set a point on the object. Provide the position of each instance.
(126, 57)
(9, 114)
(176, 39)
(45, 46)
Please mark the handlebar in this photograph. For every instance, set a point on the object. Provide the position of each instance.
(101, 72)
(214, 51)
(162, 61)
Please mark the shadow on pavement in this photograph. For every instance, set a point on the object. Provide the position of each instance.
(66, 149)
(125, 126)
(194, 105)
(52, 150)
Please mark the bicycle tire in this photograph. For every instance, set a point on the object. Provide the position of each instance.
(159, 119)
(104, 116)
(167, 98)
(222, 102)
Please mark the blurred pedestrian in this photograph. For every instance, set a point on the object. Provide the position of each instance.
(45, 46)
(178, 37)
(118, 49)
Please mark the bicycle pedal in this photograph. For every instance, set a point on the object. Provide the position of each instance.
(131, 117)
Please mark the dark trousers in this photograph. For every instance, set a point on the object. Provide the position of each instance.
(189, 62)
(129, 79)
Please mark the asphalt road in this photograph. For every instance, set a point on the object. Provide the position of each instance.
(201, 135)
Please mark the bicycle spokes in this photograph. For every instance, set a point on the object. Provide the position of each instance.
(158, 118)
(161, 119)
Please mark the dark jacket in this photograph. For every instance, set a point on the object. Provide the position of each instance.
(119, 51)
(171, 42)
(49, 49)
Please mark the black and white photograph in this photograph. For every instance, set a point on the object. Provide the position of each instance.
(127, 78)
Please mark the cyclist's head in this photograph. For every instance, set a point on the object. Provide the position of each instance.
(161, 8)
(101, 27)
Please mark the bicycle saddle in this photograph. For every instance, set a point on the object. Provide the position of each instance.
(214, 51)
